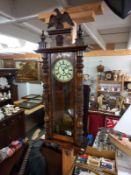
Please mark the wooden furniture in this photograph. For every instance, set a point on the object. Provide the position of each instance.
(115, 88)
(60, 160)
(33, 117)
(10, 74)
(12, 128)
(109, 86)
(97, 119)
(97, 170)
(62, 79)
(29, 111)
(7, 166)
(124, 145)
(111, 91)
(123, 160)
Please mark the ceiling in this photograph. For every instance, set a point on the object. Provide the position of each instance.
(19, 18)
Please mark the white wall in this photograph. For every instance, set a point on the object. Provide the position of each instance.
(110, 62)
(35, 88)
(29, 88)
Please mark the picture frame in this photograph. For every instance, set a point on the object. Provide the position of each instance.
(30, 96)
(27, 105)
(28, 71)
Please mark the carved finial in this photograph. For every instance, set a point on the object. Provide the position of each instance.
(42, 43)
(79, 39)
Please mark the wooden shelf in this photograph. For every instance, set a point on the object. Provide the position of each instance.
(127, 80)
(128, 103)
(95, 169)
(124, 145)
(109, 91)
(109, 82)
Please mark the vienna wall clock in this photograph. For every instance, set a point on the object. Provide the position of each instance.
(62, 78)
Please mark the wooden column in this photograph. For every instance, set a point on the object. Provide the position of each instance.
(46, 93)
(79, 101)
(67, 160)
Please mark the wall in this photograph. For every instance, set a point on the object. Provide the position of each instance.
(90, 63)
(29, 88)
(110, 63)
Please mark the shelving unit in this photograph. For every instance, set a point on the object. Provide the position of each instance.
(108, 81)
(12, 126)
(9, 74)
(97, 170)
(109, 91)
(110, 86)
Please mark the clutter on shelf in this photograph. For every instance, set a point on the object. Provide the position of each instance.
(8, 110)
(102, 140)
(113, 91)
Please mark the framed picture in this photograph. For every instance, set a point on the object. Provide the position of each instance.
(28, 105)
(28, 71)
(30, 96)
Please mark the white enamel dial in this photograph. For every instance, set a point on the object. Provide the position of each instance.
(63, 70)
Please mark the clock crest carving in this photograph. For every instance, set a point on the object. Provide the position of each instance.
(63, 90)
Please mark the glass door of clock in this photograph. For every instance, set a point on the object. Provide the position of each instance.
(63, 104)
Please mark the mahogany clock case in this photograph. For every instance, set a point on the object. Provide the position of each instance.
(63, 87)
(63, 100)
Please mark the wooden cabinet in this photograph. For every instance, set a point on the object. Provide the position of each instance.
(97, 120)
(12, 128)
(8, 90)
(108, 93)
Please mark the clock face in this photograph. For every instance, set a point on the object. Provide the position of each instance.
(129, 86)
(63, 70)
(108, 75)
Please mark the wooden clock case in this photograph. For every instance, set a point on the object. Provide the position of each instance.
(63, 100)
